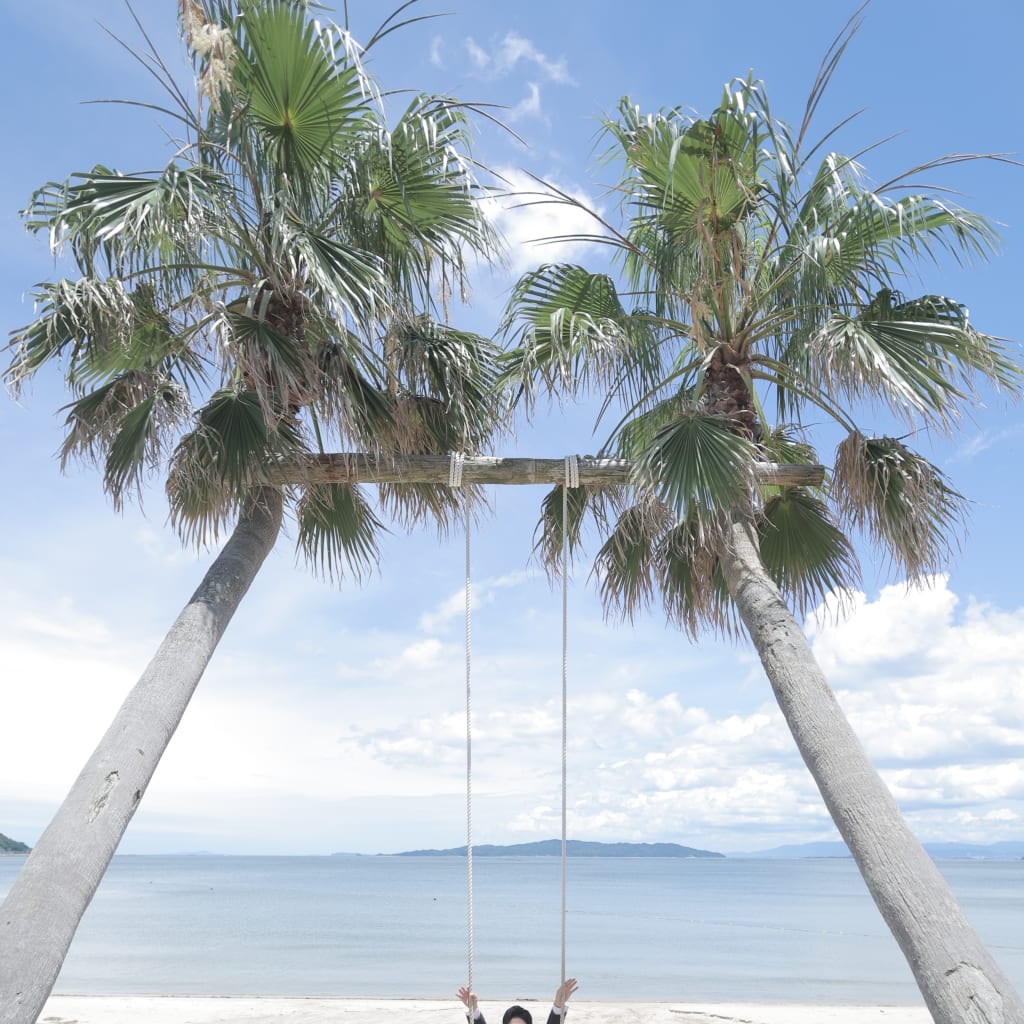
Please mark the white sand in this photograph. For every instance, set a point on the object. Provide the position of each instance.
(228, 1010)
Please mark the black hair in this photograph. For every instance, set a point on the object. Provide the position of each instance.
(517, 1011)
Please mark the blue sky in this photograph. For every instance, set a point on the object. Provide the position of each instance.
(331, 719)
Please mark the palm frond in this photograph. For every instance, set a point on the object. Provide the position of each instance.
(805, 553)
(919, 357)
(283, 371)
(134, 222)
(338, 531)
(303, 98)
(697, 461)
(80, 323)
(900, 499)
(571, 332)
(626, 565)
(344, 276)
(459, 370)
(423, 192)
(690, 582)
(354, 401)
(552, 529)
(223, 457)
(126, 425)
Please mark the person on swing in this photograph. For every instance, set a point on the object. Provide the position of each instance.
(519, 1014)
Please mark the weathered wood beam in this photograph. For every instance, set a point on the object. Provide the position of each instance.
(359, 467)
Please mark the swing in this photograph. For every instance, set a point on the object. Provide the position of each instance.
(572, 479)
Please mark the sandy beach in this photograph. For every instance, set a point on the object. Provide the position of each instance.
(229, 1010)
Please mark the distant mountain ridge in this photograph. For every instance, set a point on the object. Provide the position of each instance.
(940, 851)
(573, 848)
(8, 845)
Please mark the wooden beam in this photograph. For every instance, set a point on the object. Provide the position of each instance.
(359, 467)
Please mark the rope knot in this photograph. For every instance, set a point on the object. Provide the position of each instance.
(572, 471)
(458, 460)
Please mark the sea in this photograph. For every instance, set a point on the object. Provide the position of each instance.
(732, 929)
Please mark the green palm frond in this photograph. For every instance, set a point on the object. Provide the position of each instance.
(138, 447)
(353, 401)
(550, 533)
(338, 531)
(804, 551)
(303, 97)
(697, 461)
(458, 368)
(786, 444)
(639, 431)
(421, 189)
(690, 582)
(80, 322)
(344, 276)
(224, 456)
(126, 424)
(573, 332)
(282, 370)
(626, 565)
(900, 499)
(919, 357)
(135, 222)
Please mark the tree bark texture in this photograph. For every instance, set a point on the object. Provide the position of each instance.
(959, 980)
(39, 918)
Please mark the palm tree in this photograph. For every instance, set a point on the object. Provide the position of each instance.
(281, 284)
(760, 279)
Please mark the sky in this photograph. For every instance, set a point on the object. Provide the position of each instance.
(332, 719)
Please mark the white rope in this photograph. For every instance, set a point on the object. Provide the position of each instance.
(455, 481)
(456, 461)
(572, 479)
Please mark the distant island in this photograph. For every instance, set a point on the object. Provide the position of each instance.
(12, 845)
(573, 848)
(936, 850)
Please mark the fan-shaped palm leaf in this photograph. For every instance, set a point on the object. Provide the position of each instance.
(805, 553)
(901, 500)
(338, 531)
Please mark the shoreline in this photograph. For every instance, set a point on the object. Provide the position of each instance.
(72, 1009)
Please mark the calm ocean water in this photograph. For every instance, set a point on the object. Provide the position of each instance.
(761, 930)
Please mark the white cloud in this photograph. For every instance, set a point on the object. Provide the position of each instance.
(535, 222)
(529, 106)
(436, 46)
(274, 740)
(453, 608)
(511, 51)
(984, 440)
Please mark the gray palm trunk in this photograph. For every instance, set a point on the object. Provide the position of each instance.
(39, 918)
(959, 980)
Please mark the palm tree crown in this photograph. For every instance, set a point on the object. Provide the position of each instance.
(760, 288)
(281, 283)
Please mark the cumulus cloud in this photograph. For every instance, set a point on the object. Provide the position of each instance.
(373, 733)
(535, 221)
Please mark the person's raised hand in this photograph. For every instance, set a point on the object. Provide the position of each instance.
(565, 991)
(468, 998)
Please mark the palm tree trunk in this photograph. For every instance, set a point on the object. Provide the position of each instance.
(959, 980)
(39, 918)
